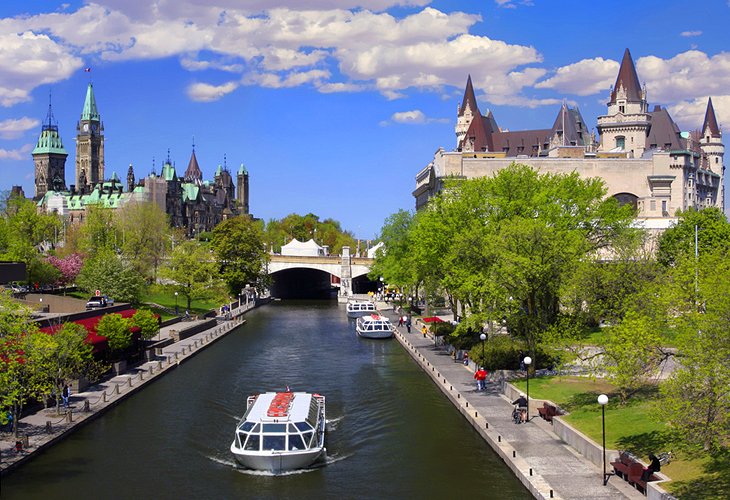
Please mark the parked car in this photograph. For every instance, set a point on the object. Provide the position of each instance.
(96, 302)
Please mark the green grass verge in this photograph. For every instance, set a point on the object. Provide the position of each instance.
(632, 427)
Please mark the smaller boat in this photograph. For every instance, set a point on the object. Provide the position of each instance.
(374, 326)
(357, 308)
(280, 431)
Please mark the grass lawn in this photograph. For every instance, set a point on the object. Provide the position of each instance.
(168, 300)
(632, 427)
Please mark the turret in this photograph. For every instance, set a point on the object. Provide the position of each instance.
(49, 158)
(713, 149)
(130, 178)
(90, 142)
(466, 112)
(242, 190)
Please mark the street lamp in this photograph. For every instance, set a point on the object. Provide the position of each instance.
(528, 362)
(483, 336)
(176, 309)
(602, 400)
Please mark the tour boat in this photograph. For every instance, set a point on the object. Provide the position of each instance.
(374, 326)
(358, 308)
(280, 431)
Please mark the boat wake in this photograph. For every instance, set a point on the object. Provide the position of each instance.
(223, 461)
(333, 422)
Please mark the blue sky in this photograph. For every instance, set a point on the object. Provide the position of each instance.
(333, 106)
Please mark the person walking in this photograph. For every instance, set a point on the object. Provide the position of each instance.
(400, 320)
(466, 358)
(65, 394)
(408, 323)
(481, 378)
(424, 331)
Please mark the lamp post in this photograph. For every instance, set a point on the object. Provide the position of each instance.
(176, 309)
(483, 336)
(602, 400)
(528, 362)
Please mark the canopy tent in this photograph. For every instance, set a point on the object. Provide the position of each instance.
(99, 342)
(302, 248)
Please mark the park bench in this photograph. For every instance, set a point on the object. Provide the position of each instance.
(630, 469)
(548, 411)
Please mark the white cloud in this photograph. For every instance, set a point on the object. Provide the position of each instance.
(690, 33)
(412, 117)
(16, 154)
(191, 64)
(691, 113)
(332, 88)
(204, 92)
(585, 77)
(15, 127)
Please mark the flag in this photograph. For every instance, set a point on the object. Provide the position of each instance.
(87, 70)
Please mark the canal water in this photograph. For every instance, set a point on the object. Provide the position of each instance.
(391, 433)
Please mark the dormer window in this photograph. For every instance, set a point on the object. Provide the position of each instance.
(622, 109)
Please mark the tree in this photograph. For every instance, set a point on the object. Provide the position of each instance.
(697, 395)
(108, 273)
(194, 272)
(713, 233)
(117, 331)
(238, 245)
(20, 373)
(304, 227)
(69, 267)
(393, 260)
(147, 322)
(98, 233)
(145, 236)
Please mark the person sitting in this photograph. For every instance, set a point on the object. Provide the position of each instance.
(654, 466)
(521, 403)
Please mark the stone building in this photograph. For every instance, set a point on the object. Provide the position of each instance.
(642, 155)
(189, 201)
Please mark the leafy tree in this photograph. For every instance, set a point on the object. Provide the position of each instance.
(117, 331)
(697, 395)
(97, 234)
(145, 236)
(239, 247)
(108, 273)
(393, 260)
(147, 323)
(194, 272)
(304, 227)
(713, 233)
(69, 267)
(20, 373)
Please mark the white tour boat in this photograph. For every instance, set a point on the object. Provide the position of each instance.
(280, 431)
(358, 308)
(374, 326)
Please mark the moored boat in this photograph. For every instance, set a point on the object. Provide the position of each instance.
(357, 308)
(374, 326)
(280, 431)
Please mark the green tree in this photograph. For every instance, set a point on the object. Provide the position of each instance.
(117, 331)
(147, 322)
(305, 227)
(393, 260)
(239, 247)
(114, 277)
(97, 234)
(194, 272)
(145, 236)
(713, 233)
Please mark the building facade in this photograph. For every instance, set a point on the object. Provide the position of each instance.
(642, 155)
(189, 201)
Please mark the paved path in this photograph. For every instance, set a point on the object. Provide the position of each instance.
(542, 461)
(45, 427)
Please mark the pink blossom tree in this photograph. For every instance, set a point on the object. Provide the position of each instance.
(69, 267)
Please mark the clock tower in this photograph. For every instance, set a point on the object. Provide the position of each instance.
(89, 145)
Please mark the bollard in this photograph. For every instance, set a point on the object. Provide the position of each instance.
(116, 388)
(551, 493)
(487, 423)
(514, 453)
(141, 375)
(69, 416)
(26, 442)
(499, 439)
(467, 404)
(86, 405)
(458, 396)
(159, 365)
(475, 415)
(103, 396)
(130, 381)
(49, 429)
(530, 470)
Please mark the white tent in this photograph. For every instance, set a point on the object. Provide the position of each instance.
(372, 251)
(302, 248)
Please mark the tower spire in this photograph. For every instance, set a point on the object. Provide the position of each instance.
(628, 79)
(469, 98)
(90, 112)
(710, 120)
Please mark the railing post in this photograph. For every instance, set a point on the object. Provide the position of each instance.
(49, 428)
(87, 407)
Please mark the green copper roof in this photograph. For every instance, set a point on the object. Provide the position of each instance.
(90, 112)
(168, 172)
(49, 142)
(219, 170)
(242, 169)
(189, 192)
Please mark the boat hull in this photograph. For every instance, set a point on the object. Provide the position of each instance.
(386, 334)
(277, 461)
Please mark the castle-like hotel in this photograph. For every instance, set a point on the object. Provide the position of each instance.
(190, 202)
(642, 155)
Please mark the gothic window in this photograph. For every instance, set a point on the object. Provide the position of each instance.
(620, 142)
(622, 109)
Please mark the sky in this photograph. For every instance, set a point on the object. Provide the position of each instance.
(334, 106)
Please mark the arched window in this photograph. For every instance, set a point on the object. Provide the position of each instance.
(620, 142)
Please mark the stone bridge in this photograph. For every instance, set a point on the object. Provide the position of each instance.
(345, 267)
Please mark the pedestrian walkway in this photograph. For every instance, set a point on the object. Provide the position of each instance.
(546, 465)
(42, 429)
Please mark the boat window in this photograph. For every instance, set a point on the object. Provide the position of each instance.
(307, 437)
(247, 426)
(257, 428)
(295, 442)
(292, 429)
(303, 426)
(274, 442)
(253, 443)
(274, 428)
(240, 438)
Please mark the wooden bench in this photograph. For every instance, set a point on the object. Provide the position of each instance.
(548, 411)
(630, 469)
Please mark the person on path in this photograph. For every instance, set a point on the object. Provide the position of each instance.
(408, 323)
(521, 403)
(424, 331)
(481, 378)
(400, 320)
(654, 466)
(466, 358)
(65, 394)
